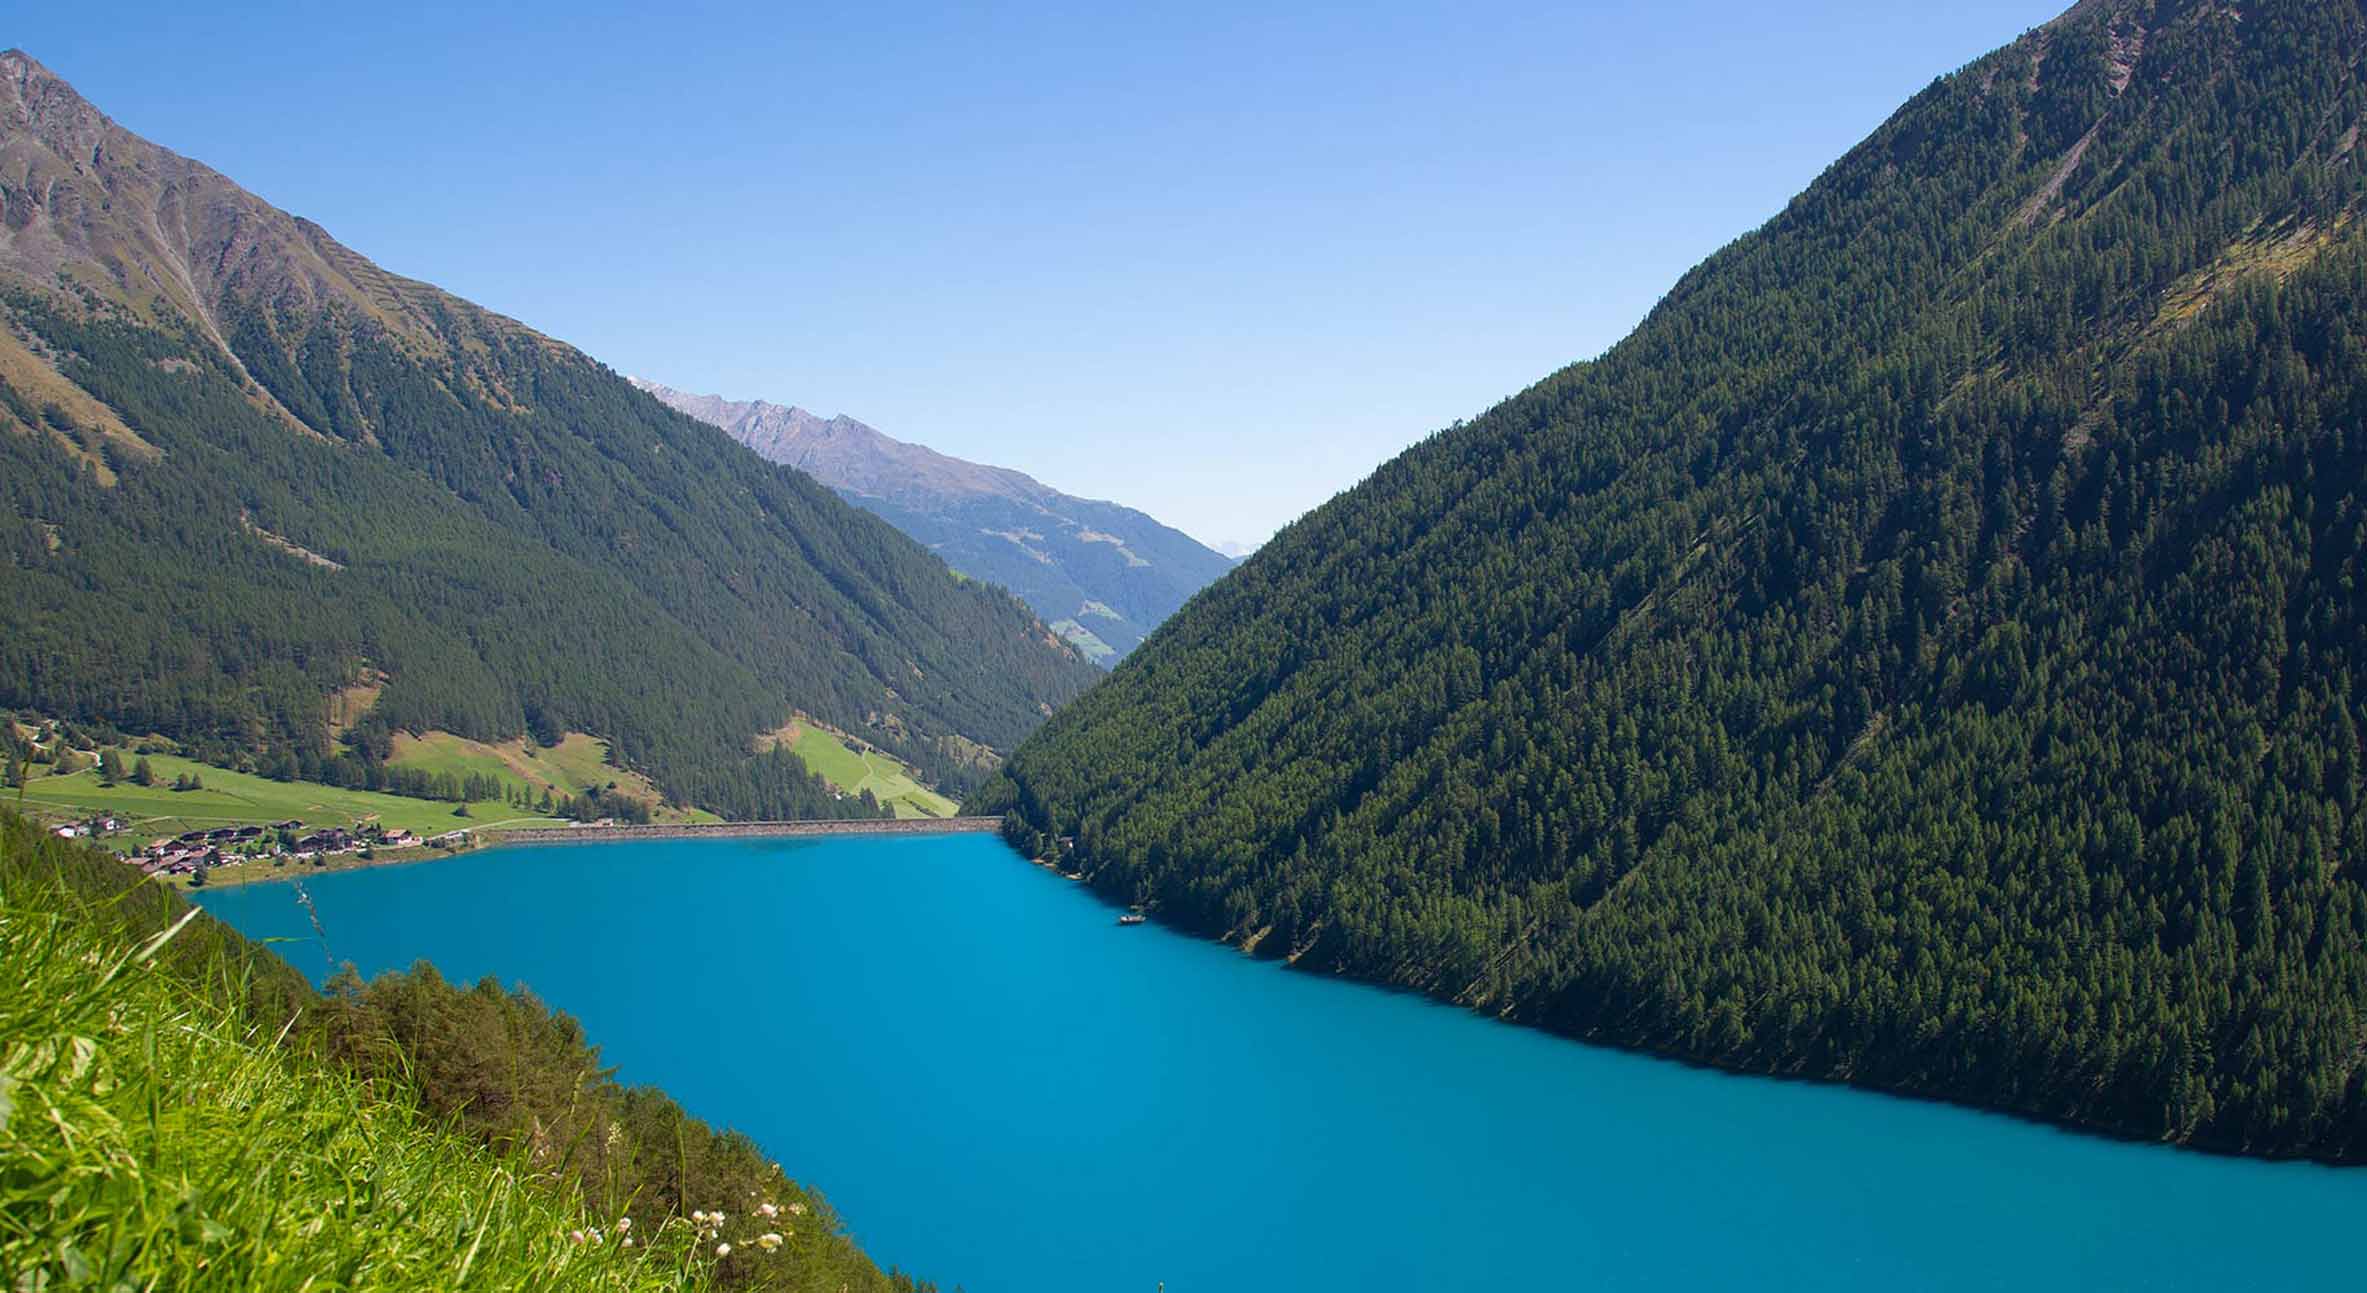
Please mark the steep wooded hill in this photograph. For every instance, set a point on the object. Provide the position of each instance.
(1927, 653)
(242, 468)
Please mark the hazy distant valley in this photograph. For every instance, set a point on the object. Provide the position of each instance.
(1101, 574)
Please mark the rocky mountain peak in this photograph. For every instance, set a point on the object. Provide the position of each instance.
(140, 226)
(848, 455)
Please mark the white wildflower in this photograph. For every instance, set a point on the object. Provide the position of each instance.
(768, 1210)
(623, 1224)
(797, 1209)
(576, 1235)
(628, 1241)
(723, 1250)
(768, 1241)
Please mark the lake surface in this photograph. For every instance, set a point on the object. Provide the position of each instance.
(998, 1086)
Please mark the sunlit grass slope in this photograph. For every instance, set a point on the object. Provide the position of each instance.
(155, 1138)
(181, 1110)
(855, 771)
(577, 765)
(237, 798)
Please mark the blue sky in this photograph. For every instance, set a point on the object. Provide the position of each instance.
(1214, 261)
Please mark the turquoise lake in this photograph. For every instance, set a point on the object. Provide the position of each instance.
(997, 1086)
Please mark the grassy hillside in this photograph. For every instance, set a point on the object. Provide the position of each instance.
(1926, 653)
(859, 770)
(236, 799)
(577, 765)
(180, 1110)
(157, 1140)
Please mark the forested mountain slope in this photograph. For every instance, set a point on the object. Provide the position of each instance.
(242, 468)
(1102, 575)
(1927, 653)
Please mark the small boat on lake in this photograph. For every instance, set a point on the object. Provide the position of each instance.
(1132, 918)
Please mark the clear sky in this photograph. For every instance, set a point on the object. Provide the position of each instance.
(1213, 260)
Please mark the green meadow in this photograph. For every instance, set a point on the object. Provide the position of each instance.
(577, 765)
(855, 771)
(238, 799)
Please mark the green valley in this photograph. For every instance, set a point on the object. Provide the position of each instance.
(474, 820)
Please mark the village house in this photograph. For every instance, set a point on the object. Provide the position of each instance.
(90, 828)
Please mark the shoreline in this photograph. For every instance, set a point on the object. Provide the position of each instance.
(254, 873)
(739, 830)
(2065, 1125)
(268, 871)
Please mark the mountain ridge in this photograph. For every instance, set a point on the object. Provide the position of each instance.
(889, 468)
(212, 236)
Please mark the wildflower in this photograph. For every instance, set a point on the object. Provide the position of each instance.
(723, 1250)
(628, 1241)
(768, 1241)
(768, 1210)
(623, 1224)
(576, 1235)
(797, 1209)
(597, 1237)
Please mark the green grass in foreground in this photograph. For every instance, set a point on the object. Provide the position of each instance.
(855, 771)
(237, 798)
(154, 1138)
